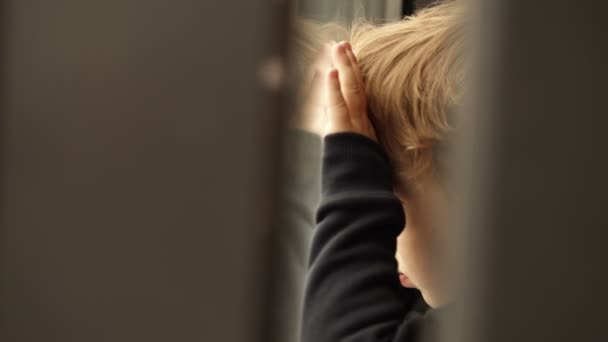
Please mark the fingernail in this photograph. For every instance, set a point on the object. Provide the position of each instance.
(333, 73)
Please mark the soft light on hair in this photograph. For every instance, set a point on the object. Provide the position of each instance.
(413, 74)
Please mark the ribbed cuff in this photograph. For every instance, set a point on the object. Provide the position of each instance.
(352, 161)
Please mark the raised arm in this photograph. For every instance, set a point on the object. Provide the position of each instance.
(353, 292)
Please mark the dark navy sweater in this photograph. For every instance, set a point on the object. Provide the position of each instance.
(353, 292)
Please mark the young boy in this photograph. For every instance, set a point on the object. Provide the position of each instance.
(364, 265)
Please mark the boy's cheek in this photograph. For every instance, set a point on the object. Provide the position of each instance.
(414, 258)
(418, 263)
(405, 261)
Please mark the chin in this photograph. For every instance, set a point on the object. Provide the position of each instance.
(431, 300)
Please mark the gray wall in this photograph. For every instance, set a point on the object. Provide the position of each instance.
(137, 171)
(536, 207)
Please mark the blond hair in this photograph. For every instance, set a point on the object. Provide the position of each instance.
(413, 72)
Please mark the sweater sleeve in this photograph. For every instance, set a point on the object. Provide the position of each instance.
(352, 291)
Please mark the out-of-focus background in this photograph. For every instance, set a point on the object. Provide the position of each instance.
(147, 173)
(348, 10)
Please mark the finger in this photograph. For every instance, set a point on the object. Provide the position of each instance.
(315, 90)
(337, 109)
(324, 61)
(351, 90)
(359, 118)
(355, 64)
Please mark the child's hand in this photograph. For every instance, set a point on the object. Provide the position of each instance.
(345, 100)
(311, 117)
